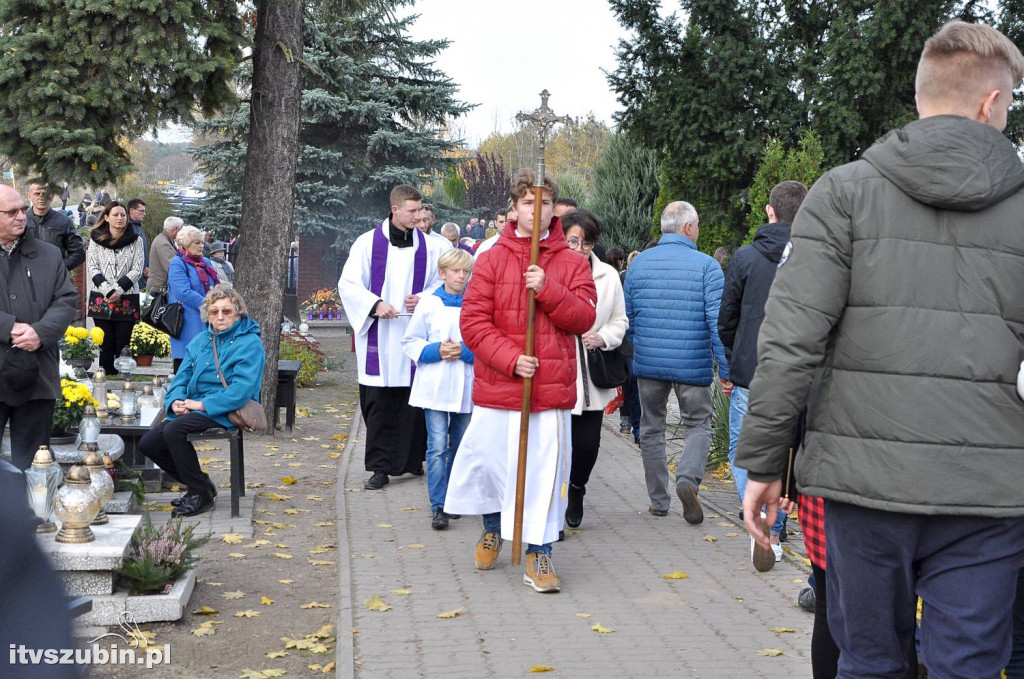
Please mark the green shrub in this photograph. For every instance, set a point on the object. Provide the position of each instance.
(159, 556)
(312, 359)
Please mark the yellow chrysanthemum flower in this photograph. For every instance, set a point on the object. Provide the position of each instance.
(97, 336)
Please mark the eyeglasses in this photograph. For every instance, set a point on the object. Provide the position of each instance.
(221, 312)
(14, 212)
(584, 244)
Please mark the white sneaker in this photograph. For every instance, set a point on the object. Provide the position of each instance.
(777, 548)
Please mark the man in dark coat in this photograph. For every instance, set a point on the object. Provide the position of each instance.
(897, 320)
(136, 214)
(747, 281)
(53, 226)
(37, 302)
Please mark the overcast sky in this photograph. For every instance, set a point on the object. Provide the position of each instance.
(502, 56)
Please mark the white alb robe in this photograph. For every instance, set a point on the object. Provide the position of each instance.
(443, 385)
(483, 479)
(357, 300)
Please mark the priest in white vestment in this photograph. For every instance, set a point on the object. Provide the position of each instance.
(386, 271)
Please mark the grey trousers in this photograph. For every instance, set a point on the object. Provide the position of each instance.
(696, 410)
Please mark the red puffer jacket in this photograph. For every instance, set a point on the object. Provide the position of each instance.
(493, 320)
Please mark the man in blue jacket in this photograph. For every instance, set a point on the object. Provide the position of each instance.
(673, 293)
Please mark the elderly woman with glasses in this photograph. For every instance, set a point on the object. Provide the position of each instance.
(582, 231)
(200, 399)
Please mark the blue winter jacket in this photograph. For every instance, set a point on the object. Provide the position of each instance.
(240, 350)
(183, 285)
(673, 293)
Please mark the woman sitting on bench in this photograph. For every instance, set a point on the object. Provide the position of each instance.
(198, 399)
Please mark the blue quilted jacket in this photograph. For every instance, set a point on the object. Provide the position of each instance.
(673, 293)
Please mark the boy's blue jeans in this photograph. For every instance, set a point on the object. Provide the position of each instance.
(737, 409)
(492, 524)
(444, 434)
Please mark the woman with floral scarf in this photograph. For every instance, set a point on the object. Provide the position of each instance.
(189, 277)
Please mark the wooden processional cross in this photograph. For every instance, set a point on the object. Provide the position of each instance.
(543, 119)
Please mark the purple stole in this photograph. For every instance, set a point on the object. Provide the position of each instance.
(378, 268)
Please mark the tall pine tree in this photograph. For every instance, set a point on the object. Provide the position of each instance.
(79, 80)
(372, 106)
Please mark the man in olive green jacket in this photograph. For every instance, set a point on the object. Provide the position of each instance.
(897, 319)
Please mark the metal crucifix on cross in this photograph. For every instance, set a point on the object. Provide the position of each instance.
(544, 119)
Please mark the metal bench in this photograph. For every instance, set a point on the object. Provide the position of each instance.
(234, 435)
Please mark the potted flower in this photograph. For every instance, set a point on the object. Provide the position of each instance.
(69, 409)
(78, 346)
(323, 301)
(147, 342)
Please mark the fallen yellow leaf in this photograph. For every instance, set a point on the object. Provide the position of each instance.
(247, 614)
(383, 525)
(541, 668)
(583, 615)
(232, 538)
(277, 654)
(324, 524)
(310, 438)
(273, 673)
(266, 601)
(410, 509)
(416, 545)
(236, 555)
(601, 629)
(374, 603)
(288, 480)
(324, 632)
(730, 534)
(287, 582)
(277, 498)
(206, 610)
(675, 575)
(316, 604)
(203, 631)
(448, 615)
(318, 562)
(710, 538)
(328, 668)
(279, 555)
(320, 549)
(314, 498)
(258, 543)
(402, 592)
(781, 630)
(234, 595)
(299, 644)
(769, 652)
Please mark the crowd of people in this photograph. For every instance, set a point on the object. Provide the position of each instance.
(872, 326)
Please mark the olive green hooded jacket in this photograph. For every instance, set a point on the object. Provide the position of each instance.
(897, 319)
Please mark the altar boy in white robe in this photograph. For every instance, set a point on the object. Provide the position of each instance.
(483, 479)
(443, 385)
(386, 271)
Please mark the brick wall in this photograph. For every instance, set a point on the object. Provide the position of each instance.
(316, 271)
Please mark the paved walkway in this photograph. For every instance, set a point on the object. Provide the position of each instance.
(717, 622)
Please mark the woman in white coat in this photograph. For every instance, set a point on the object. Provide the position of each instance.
(583, 230)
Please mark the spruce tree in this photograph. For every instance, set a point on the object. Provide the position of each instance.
(79, 80)
(372, 105)
(625, 188)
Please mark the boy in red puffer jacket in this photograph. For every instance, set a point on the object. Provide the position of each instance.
(483, 479)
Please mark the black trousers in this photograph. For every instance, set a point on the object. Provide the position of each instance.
(30, 428)
(824, 652)
(167, 445)
(175, 364)
(963, 567)
(396, 432)
(116, 335)
(586, 441)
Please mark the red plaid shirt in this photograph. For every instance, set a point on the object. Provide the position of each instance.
(812, 520)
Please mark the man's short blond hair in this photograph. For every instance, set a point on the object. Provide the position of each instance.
(455, 259)
(963, 62)
(523, 182)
